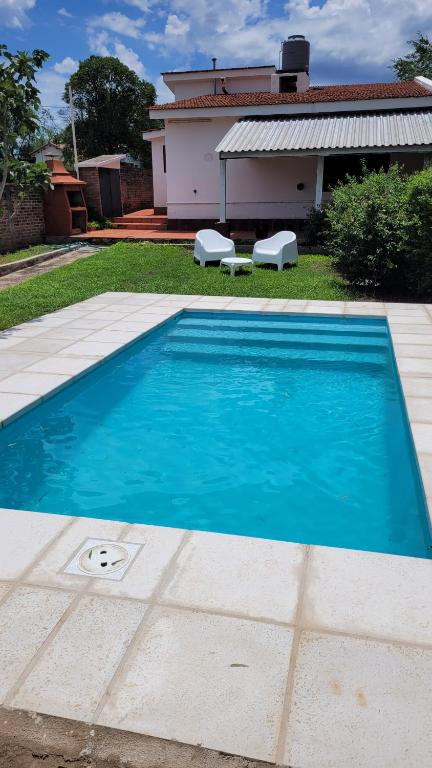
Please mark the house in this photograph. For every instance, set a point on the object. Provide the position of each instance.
(47, 152)
(115, 185)
(251, 144)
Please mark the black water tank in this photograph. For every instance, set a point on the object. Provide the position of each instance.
(295, 54)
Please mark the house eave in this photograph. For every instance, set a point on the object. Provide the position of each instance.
(206, 74)
(153, 135)
(366, 105)
(426, 148)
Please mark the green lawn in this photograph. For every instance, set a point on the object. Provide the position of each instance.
(162, 269)
(25, 253)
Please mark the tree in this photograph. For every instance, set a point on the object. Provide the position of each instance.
(111, 107)
(418, 62)
(19, 104)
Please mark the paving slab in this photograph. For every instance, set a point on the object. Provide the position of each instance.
(244, 666)
(209, 566)
(27, 616)
(14, 404)
(27, 383)
(369, 594)
(71, 674)
(24, 536)
(353, 704)
(67, 366)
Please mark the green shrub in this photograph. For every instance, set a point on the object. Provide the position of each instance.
(367, 223)
(101, 223)
(316, 229)
(419, 234)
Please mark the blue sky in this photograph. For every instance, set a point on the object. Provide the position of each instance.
(351, 40)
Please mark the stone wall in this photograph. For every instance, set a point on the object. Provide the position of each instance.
(136, 188)
(92, 190)
(28, 224)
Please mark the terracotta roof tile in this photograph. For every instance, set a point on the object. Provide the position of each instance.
(315, 94)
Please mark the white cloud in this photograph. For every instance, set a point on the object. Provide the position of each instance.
(51, 85)
(164, 95)
(351, 40)
(65, 13)
(130, 58)
(361, 35)
(102, 44)
(98, 42)
(142, 5)
(176, 27)
(118, 23)
(13, 13)
(152, 39)
(67, 66)
(368, 32)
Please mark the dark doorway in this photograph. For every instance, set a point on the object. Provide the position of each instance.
(337, 167)
(109, 181)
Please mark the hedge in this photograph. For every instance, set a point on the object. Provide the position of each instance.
(380, 232)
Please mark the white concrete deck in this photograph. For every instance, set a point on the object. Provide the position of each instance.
(309, 657)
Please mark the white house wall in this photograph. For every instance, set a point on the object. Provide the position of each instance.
(261, 188)
(188, 89)
(159, 176)
(192, 164)
(247, 84)
(266, 188)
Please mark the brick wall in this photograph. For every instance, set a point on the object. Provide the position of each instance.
(28, 224)
(136, 188)
(92, 190)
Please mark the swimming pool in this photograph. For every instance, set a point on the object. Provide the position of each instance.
(284, 427)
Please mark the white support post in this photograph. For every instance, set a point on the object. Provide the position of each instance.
(222, 190)
(319, 181)
(72, 119)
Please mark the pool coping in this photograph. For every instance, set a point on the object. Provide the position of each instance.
(315, 597)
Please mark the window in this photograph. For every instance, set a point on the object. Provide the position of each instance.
(288, 84)
(164, 158)
(336, 167)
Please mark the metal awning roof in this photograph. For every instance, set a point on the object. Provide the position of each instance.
(101, 160)
(329, 134)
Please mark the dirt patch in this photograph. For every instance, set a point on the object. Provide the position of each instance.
(30, 740)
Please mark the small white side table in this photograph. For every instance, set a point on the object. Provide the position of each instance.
(234, 262)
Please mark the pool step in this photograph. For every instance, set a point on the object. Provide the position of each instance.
(225, 356)
(265, 352)
(294, 324)
(295, 341)
(257, 338)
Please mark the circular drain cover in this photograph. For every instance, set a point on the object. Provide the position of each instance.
(104, 558)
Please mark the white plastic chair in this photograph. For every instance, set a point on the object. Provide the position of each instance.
(212, 246)
(280, 249)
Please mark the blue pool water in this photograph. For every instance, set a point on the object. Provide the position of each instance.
(281, 427)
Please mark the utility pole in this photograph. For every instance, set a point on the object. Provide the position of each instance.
(72, 119)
